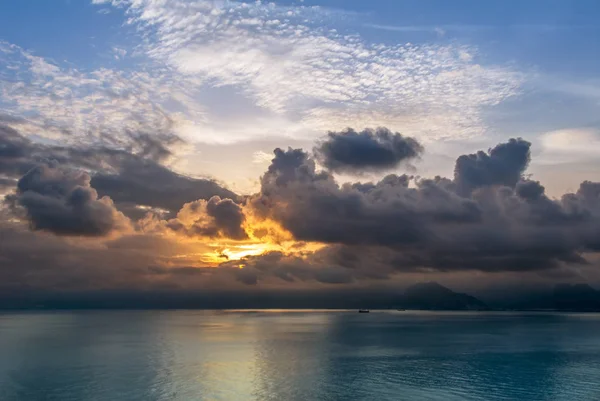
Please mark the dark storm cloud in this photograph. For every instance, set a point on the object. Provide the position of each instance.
(37, 261)
(15, 153)
(40, 268)
(314, 207)
(130, 177)
(501, 165)
(292, 268)
(589, 193)
(530, 190)
(367, 150)
(62, 201)
(488, 218)
(139, 181)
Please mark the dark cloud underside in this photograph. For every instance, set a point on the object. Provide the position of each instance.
(128, 178)
(367, 150)
(62, 201)
(487, 218)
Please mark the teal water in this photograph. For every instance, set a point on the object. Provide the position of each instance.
(289, 356)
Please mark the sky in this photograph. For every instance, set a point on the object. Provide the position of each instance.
(225, 146)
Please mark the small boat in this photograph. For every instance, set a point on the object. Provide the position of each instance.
(363, 311)
(400, 310)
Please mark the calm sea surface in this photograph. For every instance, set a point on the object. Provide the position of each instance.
(288, 356)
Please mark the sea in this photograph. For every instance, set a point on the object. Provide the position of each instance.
(305, 355)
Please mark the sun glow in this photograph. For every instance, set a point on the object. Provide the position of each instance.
(225, 252)
(263, 236)
(236, 252)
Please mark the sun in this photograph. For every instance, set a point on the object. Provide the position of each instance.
(247, 250)
(263, 236)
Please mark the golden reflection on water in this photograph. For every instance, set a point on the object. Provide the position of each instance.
(233, 355)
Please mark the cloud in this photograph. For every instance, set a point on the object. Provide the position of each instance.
(502, 165)
(131, 176)
(292, 268)
(293, 71)
(35, 262)
(291, 61)
(365, 232)
(467, 28)
(119, 52)
(260, 157)
(134, 180)
(228, 217)
(570, 145)
(61, 103)
(7, 184)
(15, 152)
(488, 218)
(367, 150)
(213, 218)
(63, 202)
(312, 206)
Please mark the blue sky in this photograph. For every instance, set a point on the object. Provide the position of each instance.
(557, 36)
(458, 75)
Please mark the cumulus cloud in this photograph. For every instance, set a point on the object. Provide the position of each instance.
(63, 202)
(213, 218)
(16, 152)
(131, 176)
(367, 150)
(314, 207)
(138, 181)
(488, 218)
(502, 165)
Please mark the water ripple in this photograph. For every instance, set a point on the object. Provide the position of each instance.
(289, 356)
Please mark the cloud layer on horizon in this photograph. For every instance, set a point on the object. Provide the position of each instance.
(488, 218)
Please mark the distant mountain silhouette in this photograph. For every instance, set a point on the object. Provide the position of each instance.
(576, 297)
(563, 297)
(434, 296)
